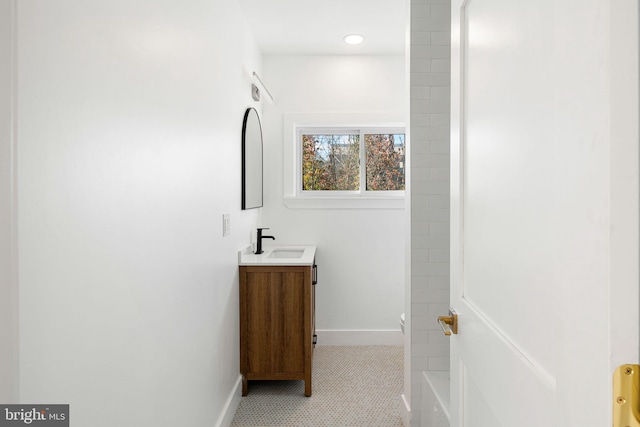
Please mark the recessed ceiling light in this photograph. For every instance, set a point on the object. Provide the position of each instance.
(353, 39)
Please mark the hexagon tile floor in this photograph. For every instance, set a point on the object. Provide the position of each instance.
(353, 386)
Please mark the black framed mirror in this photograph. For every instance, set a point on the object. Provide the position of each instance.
(251, 160)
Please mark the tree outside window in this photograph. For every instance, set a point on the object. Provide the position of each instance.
(385, 161)
(331, 161)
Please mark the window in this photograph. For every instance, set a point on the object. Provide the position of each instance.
(351, 161)
(344, 160)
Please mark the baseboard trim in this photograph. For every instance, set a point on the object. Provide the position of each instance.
(231, 405)
(360, 337)
(405, 411)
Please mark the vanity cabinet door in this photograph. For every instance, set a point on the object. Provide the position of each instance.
(276, 323)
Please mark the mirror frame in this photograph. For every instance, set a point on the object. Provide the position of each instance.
(252, 153)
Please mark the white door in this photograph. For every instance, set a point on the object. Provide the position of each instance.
(544, 209)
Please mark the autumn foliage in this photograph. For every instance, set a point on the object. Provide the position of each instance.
(332, 162)
(385, 162)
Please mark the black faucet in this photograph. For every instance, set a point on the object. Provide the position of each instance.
(260, 237)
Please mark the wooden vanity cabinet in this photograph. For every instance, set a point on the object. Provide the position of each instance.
(277, 323)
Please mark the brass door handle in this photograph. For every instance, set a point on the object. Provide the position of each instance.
(449, 324)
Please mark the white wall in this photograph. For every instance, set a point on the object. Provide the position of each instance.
(129, 124)
(8, 291)
(360, 251)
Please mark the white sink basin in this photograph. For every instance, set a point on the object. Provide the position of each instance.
(278, 255)
(286, 253)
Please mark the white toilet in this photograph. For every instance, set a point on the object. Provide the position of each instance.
(402, 322)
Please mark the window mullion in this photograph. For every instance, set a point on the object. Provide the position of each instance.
(363, 164)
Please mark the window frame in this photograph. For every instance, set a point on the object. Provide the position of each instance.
(362, 130)
(296, 198)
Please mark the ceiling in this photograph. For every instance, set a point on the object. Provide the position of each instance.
(305, 27)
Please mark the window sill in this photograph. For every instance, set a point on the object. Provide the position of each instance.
(361, 202)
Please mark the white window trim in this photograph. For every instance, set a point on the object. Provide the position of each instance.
(295, 198)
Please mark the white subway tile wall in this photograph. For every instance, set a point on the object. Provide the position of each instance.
(430, 92)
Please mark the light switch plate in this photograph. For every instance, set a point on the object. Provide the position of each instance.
(226, 224)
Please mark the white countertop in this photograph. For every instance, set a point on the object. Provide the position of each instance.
(247, 257)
